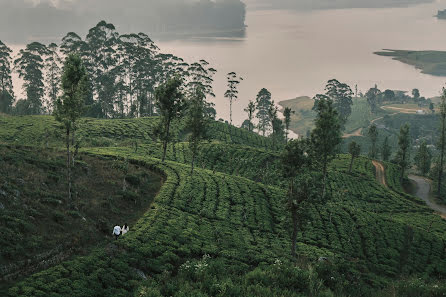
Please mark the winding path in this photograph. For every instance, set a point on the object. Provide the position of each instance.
(423, 191)
(380, 173)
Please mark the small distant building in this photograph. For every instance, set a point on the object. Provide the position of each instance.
(420, 111)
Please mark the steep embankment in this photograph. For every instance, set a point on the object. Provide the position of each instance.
(41, 227)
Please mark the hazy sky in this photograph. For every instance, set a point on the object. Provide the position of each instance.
(328, 4)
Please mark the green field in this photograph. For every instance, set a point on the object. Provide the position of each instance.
(225, 231)
(302, 120)
(429, 62)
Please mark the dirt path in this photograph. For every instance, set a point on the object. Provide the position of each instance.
(380, 173)
(355, 133)
(424, 192)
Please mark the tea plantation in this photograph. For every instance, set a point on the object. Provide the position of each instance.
(225, 230)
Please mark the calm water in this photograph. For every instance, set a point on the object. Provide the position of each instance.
(295, 53)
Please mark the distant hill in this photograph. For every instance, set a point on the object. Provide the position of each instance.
(429, 62)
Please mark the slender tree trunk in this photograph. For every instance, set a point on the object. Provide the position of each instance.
(403, 167)
(166, 140)
(193, 161)
(230, 110)
(351, 165)
(294, 219)
(443, 143)
(324, 176)
(68, 164)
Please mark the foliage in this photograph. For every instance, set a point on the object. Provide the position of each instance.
(263, 104)
(232, 92)
(423, 159)
(341, 95)
(373, 134)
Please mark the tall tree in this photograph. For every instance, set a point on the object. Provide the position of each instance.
(53, 73)
(373, 134)
(232, 91)
(389, 95)
(341, 94)
(6, 88)
(197, 123)
(29, 65)
(170, 102)
(200, 75)
(287, 113)
(263, 104)
(423, 159)
(416, 94)
(326, 136)
(372, 96)
(402, 157)
(355, 150)
(297, 170)
(442, 142)
(68, 107)
(250, 110)
(386, 150)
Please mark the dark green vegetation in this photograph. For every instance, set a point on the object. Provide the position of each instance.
(225, 231)
(429, 62)
(39, 229)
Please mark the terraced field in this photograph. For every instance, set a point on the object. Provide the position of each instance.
(225, 231)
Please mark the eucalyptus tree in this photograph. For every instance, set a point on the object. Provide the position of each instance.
(355, 150)
(263, 104)
(287, 114)
(342, 95)
(297, 167)
(372, 96)
(30, 66)
(73, 44)
(232, 91)
(170, 103)
(326, 136)
(373, 134)
(386, 150)
(402, 157)
(200, 75)
(68, 107)
(423, 159)
(250, 110)
(197, 123)
(442, 141)
(101, 45)
(6, 87)
(53, 73)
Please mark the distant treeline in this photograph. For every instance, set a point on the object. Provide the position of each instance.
(123, 72)
(46, 21)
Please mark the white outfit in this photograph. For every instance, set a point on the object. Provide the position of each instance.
(124, 230)
(116, 230)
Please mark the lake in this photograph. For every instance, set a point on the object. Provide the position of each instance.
(294, 53)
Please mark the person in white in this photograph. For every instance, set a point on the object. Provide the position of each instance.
(116, 231)
(125, 229)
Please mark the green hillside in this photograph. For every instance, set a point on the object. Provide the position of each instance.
(225, 231)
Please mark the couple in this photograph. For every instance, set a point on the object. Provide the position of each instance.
(117, 230)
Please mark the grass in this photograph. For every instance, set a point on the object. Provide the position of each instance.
(302, 119)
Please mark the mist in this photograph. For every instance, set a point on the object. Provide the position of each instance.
(331, 4)
(48, 20)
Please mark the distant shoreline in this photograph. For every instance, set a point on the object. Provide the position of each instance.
(429, 62)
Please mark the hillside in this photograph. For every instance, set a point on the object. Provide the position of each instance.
(224, 231)
(302, 119)
(429, 62)
(40, 228)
